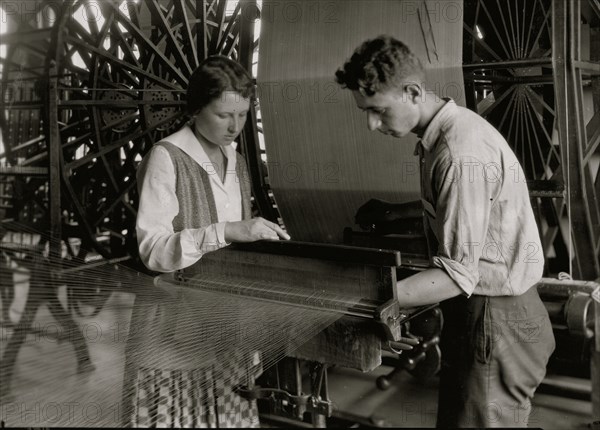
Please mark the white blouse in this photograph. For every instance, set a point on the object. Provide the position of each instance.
(161, 249)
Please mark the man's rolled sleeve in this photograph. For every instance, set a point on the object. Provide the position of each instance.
(461, 275)
(464, 200)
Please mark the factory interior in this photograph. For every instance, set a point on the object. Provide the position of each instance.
(307, 332)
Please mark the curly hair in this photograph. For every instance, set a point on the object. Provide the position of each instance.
(379, 64)
(215, 75)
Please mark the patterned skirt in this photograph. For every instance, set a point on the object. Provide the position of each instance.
(198, 398)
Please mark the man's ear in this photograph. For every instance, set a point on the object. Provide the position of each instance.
(413, 90)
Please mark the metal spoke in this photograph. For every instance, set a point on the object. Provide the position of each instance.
(174, 45)
(537, 140)
(529, 133)
(506, 32)
(182, 16)
(512, 112)
(481, 42)
(118, 199)
(552, 150)
(526, 47)
(88, 158)
(523, 24)
(493, 106)
(540, 100)
(122, 63)
(513, 32)
(543, 26)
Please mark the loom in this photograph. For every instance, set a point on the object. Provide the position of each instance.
(356, 282)
(67, 127)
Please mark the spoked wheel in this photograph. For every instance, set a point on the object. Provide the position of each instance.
(110, 77)
(508, 77)
(121, 79)
(527, 71)
(507, 64)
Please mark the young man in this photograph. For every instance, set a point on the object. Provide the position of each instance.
(485, 247)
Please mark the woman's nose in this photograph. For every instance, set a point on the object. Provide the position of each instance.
(234, 126)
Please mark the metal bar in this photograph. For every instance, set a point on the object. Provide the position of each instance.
(557, 289)
(552, 150)
(24, 145)
(274, 293)
(506, 32)
(513, 103)
(54, 157)
(121, 104)
(92, 265)
(541, 30)
(128, 66)
(23, 171)
(532, 93)
(593, 133)
(527, 50)
(155, 9)
(595, 5)
(514, 34)
(230, 34)
(117, 144)
(482, 3)
(530, 132)
(546, 188)
(142, 39)
(216, 43)
(522, 46)
(182, 15)
(127, 50)
(249, 138)
(30, 105)
(116, 201)
(202, 39)
(497, 102)
(323, 251)
(490, 80)
(527, 62)
(595, 357)
(21, 37)
(587, 66)
(480, 42)
(564, 389)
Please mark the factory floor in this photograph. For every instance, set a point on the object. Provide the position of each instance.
(45, 385)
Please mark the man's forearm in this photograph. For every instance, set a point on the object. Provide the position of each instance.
(427, 287)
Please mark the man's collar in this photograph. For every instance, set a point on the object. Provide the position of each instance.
(433, 130)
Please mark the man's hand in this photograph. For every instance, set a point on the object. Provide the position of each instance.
(252, 230)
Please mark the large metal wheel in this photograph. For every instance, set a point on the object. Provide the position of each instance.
(109, 81)
(510, 71)
(121, 78)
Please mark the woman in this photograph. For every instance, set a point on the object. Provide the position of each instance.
(194, 199)
(194, 189)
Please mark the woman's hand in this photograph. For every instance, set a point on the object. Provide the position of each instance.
(252, 230)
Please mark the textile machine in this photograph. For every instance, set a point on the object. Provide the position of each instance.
(573, 305)
(321, 160)
(356, 282)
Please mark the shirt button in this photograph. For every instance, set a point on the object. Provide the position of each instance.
(227, 206)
